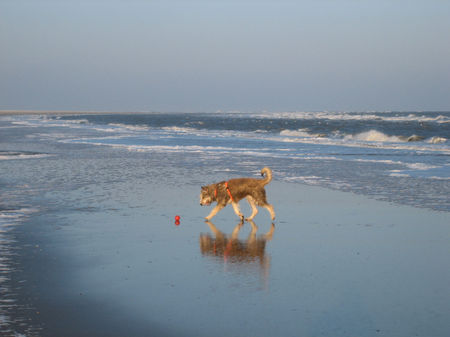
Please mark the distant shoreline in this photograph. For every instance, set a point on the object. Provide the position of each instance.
(65, 112)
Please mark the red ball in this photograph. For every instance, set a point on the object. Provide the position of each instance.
(177, 218)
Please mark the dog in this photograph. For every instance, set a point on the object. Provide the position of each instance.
(234, 190)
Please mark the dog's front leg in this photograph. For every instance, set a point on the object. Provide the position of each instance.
(237, 210)
(251, 201)
(214, 211)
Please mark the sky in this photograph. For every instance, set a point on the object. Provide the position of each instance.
(216, 55)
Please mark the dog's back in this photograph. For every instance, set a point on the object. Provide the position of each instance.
(241, 188)
(265, 172)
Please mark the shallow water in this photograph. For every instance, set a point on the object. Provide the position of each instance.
(94, 249)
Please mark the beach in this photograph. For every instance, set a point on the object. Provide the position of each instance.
(88, 229)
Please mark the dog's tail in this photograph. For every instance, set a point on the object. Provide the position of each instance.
(267, 172)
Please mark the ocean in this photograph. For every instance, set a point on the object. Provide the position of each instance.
(402, 157)
(89, 247)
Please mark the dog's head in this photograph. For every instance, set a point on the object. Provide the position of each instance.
(206, 196)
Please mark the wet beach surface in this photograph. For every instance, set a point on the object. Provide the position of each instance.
(337, 264)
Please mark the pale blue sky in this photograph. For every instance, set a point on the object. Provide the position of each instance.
(225, 55)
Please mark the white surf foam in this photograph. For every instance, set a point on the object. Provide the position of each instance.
(381, 161)
(14, 156)
(363, 116)
(38, 122)
(179, 129)
(439, 178)
(437, 140)
(76, 121)
(409, 166)
(129, 127)
(373, 136)
(420, 166)
(302, 133)
(371, 139)
(398, 174)
(311, 180)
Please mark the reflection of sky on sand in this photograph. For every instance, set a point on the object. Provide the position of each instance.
(12, 314)
(238, 255)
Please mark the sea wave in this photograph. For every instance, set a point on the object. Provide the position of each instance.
(367, 136)
(302, 133)
(37, 121)
(128, 127)
(179, 129)
(76, 121)
(409, 166)
(436, 140)
(10, 155)
(363, 116)
(371, 138)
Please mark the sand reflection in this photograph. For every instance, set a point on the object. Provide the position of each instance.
(230, 250)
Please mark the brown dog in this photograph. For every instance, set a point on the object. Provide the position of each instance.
(234, 190)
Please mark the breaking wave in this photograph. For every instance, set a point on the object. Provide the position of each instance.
(302, 133)
(129, 127)
(10, 155)
(377, 136)
(357, 116)
(436, 140)
(374, 136)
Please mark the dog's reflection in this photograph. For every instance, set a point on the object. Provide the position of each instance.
(234, 250)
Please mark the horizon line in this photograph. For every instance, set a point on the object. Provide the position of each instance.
(32, 112)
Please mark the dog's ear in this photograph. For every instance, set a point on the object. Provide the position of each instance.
(204, 188)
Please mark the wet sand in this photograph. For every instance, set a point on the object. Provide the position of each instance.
(334, 264)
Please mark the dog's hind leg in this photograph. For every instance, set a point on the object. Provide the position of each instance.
(251, 201)
(237, 210)
(269, 207)
(214, 211)
(260, 198)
